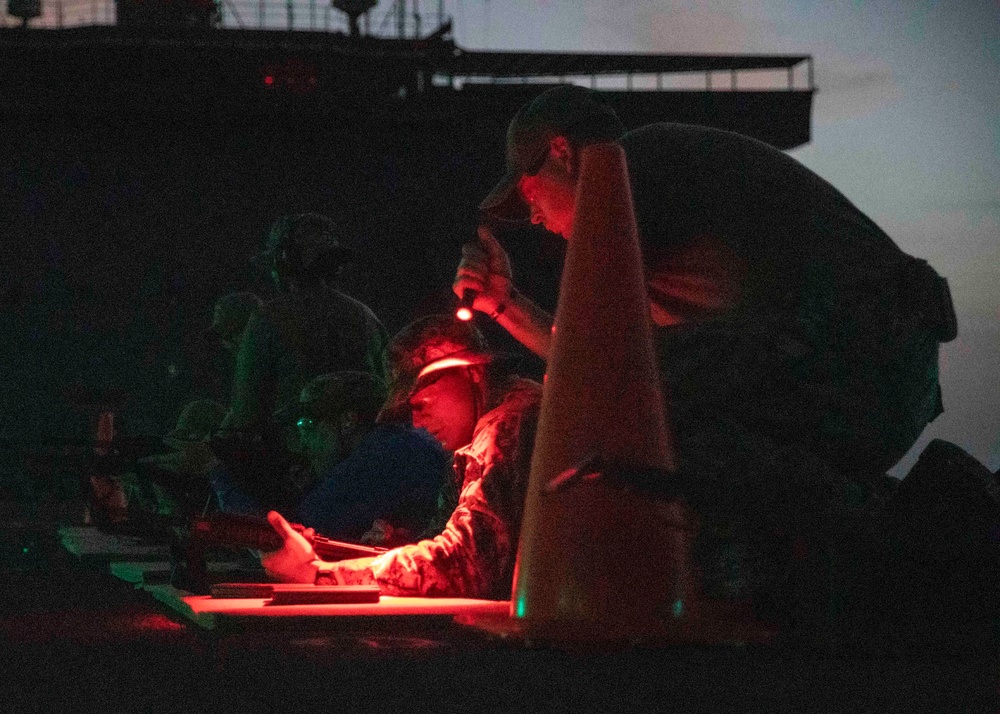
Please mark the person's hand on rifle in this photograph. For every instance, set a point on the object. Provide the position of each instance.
(295, 562)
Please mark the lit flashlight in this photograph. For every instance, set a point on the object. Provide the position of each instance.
(464, 311)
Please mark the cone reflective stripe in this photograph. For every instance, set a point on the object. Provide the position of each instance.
(597, 555)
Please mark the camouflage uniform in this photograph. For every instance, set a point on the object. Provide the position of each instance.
(784, 307)
(474, 555)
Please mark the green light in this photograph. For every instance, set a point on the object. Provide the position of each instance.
(520, 607)
(678, 608)
(24, 550)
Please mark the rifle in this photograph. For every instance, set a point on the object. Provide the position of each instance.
(226, 530)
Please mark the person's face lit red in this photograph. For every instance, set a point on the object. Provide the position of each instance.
(447, 408)
(551, 195)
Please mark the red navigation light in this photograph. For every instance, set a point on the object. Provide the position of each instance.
(291, 75)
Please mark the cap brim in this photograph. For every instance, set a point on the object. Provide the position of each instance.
(397, 405)
(176, 439)
(505, 202)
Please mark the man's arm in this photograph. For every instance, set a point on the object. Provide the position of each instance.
(485, 268)
(465, 560)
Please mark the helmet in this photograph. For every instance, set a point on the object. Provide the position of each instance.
(329, 395)
(197, 421)
(304, 244)
(231, 314)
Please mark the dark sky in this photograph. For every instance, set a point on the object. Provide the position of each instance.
(906, 123)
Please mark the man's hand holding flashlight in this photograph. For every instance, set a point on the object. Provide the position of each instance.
(485, 270)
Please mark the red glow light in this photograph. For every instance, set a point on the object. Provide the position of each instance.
(268, 79)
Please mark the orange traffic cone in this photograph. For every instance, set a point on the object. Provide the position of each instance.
(600, 560)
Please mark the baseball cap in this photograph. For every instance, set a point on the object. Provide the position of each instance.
(427, 346)
(567, 110)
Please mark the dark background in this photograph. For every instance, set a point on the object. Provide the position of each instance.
(140, 170)
(124, 217)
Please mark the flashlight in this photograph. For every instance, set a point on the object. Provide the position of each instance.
(464, 311)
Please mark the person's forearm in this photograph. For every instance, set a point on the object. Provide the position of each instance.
(345, 572)
(526, 322)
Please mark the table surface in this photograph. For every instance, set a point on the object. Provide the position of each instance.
(76, 638)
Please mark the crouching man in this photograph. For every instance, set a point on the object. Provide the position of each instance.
(460, 392)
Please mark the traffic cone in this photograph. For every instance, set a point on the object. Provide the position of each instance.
(600, 559)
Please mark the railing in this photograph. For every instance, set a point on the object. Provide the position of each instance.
(403, 18)
(315, 15)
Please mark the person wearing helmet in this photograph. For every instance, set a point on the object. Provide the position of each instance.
(310, 328)
(797, 344)
(373, 483)
(167, 484)
(378, 483)
(230, 316)
(454, 387)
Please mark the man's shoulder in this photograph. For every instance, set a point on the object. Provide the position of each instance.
(674, 137)
(664, 131)
(521, 395)
(517, 410)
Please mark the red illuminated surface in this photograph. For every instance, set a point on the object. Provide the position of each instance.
(87, 626)
(388, 606)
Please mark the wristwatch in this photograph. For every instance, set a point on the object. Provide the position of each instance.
(325, 575)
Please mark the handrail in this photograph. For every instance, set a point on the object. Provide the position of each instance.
(631, 72)
(312, 15)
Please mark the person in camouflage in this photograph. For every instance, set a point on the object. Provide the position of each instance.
(797, 344)
(456, 389)
(373, 483)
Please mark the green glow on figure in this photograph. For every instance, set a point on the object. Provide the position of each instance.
(678, 608)
(520, 607)
(24, 550)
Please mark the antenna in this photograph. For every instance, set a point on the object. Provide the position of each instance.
(354, 9)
